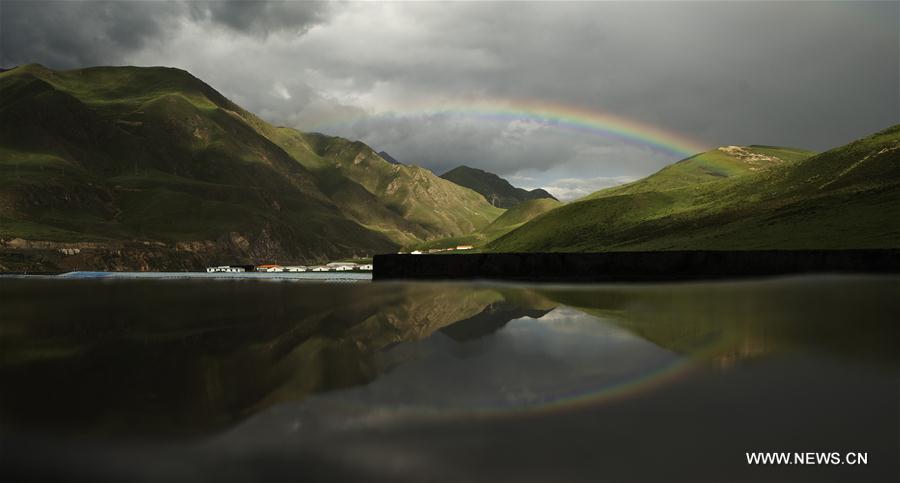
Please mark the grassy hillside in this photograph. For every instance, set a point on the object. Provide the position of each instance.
(495, 189)
(154, 156)
(125, 158)
(711, 166)
(843, 198)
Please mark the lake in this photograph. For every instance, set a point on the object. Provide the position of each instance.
(179, 379)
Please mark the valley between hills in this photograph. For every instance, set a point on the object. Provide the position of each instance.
(127, 168)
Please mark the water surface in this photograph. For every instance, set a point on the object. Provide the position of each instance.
(234, 380)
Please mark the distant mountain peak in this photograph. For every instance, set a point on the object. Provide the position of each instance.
(750, 157)
(498, 191)
(542, 193)
(387, 157)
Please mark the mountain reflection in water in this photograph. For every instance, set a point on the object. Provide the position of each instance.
(410, 381)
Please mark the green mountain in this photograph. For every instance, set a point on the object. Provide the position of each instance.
(753, 197)
(151, 168)
(494, 188)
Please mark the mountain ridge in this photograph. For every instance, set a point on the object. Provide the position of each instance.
(498, 191)
(387, 157)
(150, 168)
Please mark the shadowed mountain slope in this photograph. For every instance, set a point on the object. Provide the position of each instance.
(387, 157)
(494, 188)
(407, 203)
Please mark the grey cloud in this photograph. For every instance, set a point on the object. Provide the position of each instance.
(444, 141)
(805, 74)
(67, 34)
(567, 189)
(542, 150)
(262, 17)
(735, 73)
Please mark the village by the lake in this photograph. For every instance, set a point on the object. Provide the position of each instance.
(275, 268)
(363, 266)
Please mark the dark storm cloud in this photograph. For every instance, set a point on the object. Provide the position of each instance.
(806, 74)
(812, 75)
(67, 34)
(72, 34)
(261, 17)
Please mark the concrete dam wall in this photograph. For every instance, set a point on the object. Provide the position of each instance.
(633, 266)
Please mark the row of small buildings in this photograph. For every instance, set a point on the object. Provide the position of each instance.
(329, 267)
(274, 268)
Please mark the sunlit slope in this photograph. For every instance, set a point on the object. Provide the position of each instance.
(154, 154)
(407, 203)
(844, 198)
(508, 221)
(518, 216)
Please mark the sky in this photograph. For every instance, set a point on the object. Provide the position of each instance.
(440, 84)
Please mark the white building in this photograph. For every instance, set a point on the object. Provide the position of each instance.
(299, 268)
(320, 269)
(367, 267)
(269, 268)
(341, 264)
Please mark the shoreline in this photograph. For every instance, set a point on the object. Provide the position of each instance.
(196, 275)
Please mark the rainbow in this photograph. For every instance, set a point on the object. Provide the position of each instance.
(561, 116)
(665, 374)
